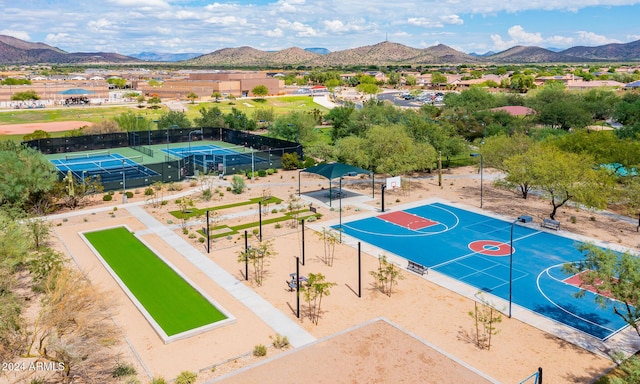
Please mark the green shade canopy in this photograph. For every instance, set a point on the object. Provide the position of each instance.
(336, 170)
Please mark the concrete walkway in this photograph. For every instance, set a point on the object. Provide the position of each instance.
(277, 320)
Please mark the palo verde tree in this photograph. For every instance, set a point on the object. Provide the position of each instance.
(387, 275)
(330, 239)
(193, 97)
(314, 289)
(564, 177)
(258, 256)
(25, 96)
(485, 317)
(612, 275)
(260, 90)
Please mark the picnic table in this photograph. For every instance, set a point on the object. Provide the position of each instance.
(293, 283)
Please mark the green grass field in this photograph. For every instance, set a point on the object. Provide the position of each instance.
(174, 304)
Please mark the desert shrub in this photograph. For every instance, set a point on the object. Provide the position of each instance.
(149, 191)
(206, 194)
(237, 185)
(107, 197)
(271, 171)
(201, 239)
(280, 341)
(309, 162)
(186, 377)
(259, 350)
(262, 173)
(158, 380)
(185, 231)
(122, 370)
(290, 161)
(129, 194)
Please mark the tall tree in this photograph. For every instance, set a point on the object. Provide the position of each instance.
(613, 276)
(564, 177)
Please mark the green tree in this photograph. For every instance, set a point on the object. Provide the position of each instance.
(171, 118)
(260, 90)
(117, 82)
(314, 289)
(209, 117)
(25, 96)
(154, 101)
(387, 275)
(216, 96)
(258, 256)
(330, 239)
(295, 126)
(192, 96)
(438, 78)
(613, 275)
(340, 117)
(37, 134)
(26, 176)
(14, 81)
(567, 177)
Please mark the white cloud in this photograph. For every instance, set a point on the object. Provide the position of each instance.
(452, 19)
(425, 22)
(99, 25)
(226, 21)
(277, 32)
(141, 3)
(22, 35)
(590, 38)
(54, 38)
(633, 37)
(289, 6)
(337, 26)
(518, 34)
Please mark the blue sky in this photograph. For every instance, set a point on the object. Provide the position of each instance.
(176, 26)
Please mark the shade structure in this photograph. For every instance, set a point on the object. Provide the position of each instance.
(333, 171)
(76, 91)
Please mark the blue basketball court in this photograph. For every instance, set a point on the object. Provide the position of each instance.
(476, 249)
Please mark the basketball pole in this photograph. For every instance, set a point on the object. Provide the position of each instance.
(383, 188)
(439, 168)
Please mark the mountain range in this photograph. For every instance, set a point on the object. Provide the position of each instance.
(16, 51)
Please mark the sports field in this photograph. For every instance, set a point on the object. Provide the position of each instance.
(172, 302)
(521, 264)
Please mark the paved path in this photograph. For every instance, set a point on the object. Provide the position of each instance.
(277, 320)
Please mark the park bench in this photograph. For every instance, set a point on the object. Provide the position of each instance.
(416, 268)
(551, 224)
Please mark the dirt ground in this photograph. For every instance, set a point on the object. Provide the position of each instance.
(418, 306)
(23, 129)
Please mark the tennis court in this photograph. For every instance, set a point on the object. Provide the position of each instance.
(214, 157)
(109, 166)
(476, 249)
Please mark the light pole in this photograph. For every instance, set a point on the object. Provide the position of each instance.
(149, 129)
(124, 183)
(511, 266)
(481, 172)
(197, 131)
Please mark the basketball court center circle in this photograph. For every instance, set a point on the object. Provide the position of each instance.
(491, 248)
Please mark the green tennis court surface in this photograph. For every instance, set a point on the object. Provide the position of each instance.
(174, 304)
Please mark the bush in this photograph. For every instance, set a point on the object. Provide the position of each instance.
(309, 162)
(201, 239)
(129, 194)
(122, 370)
(271, 171)
(290, 161)
(262, 173)
(280, 341)
(186, 377)
(237, 185)
(107, 197)
(149, 191)
(158, 380)
(259, 350)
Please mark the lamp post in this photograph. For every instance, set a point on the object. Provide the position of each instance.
(511, 266)
(243, 117)
(481, 173)
(197, 131)
(124, 183)
(149, 129)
